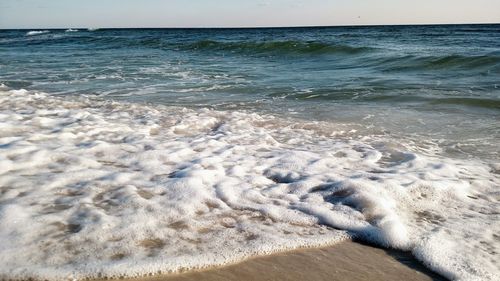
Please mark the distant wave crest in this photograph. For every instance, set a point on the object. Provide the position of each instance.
(36, 32)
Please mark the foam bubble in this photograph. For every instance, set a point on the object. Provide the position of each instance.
(92, 188)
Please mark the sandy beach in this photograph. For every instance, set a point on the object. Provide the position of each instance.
(345, 261)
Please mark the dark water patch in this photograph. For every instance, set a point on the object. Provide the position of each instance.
(17, 84)
(446, 62)
(486, 103)
(476, 102)
(467, 62)
(387, 95)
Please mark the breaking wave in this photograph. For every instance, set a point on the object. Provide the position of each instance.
(36, 32)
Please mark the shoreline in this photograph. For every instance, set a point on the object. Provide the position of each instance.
(346, 260)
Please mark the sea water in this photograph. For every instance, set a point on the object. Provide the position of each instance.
(129, 152)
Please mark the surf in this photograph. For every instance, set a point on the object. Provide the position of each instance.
(117, 189)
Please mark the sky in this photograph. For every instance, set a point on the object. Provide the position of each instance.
(241, 13)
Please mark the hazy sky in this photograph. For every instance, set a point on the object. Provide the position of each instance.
(222, 13)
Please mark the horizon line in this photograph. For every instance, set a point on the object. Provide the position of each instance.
(260, 27)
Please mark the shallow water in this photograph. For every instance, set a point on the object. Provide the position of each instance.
(142, 151)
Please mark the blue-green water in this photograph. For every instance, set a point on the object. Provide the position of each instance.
(439, 82)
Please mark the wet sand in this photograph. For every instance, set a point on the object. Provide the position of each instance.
(345, 261)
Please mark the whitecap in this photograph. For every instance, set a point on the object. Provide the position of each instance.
(36, 32)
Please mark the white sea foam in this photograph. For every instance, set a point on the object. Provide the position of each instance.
(71, 30)
(93, 188)
(36, 32)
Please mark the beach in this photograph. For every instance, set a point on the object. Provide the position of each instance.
(344, 261)
(259, 152)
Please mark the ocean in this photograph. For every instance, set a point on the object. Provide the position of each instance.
(128, 152)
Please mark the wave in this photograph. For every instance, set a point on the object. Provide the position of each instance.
(137, 189)
(278, 47)
(36, 32)
(71, 30)
(246, 47)
(243, 47)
